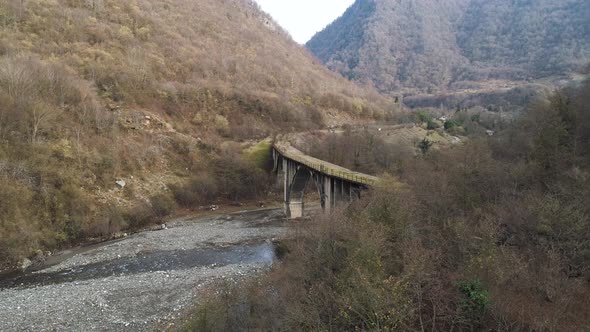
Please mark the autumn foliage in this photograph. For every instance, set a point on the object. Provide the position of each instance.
(489, 235)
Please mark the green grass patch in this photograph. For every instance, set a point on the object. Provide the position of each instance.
(260, 154)
(436, 137)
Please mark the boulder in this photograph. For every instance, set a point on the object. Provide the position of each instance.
(121, 183)
(39, 258)
(114, 107)
(24, 264)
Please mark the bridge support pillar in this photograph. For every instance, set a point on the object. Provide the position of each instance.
(347, 191)
(328, 193)
(295, 210)
(289, 170)
(341, 192)
(296, 178)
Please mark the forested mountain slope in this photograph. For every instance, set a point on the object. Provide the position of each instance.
(430, 46)
(147, 93)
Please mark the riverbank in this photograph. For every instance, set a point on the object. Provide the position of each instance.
(141, 282)
(48, 259)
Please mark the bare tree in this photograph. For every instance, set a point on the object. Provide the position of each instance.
(18, 79)
(39, 116)
(95, 5)
(18, 9)
(6, 116)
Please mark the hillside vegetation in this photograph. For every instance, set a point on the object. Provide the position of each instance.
(490, 235)
(150, 93)
(429, 47)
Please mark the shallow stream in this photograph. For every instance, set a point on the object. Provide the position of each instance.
(149, 262)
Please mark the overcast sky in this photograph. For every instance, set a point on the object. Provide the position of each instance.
(303, 18)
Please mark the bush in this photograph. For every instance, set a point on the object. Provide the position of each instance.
(423, 117)
(432, 125)
(457, 131)
(109, 221)
(475, 301)
(140, 215)
(238, 178)
(18, 227)
(449, 124)
(425, 145)
(199, 190)
(66, 208)
(162, 205)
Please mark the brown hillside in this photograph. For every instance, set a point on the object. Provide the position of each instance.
(151, 93)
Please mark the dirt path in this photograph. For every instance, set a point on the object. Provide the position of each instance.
(144, 281)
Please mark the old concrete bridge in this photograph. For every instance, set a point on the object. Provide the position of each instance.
(335, 184)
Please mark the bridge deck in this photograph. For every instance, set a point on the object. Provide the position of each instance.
(289, 152)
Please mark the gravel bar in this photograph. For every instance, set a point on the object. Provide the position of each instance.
(143, 281)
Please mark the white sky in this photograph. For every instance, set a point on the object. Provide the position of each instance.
(303, 18)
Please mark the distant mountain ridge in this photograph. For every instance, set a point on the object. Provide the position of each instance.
(432, 46)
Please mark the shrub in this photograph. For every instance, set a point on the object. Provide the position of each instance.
(449, 124)
(474, 302)
(140, 215)
(432, 125)
(109, 221)
(199, 190)
(457, 131)
(425, 145)
(18, 228)
(423, 117)
(221, 124)
(67, 208)
(162, 205)
(183, 195)
(238, 178)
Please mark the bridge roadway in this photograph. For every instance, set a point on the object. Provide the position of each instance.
(335, 184)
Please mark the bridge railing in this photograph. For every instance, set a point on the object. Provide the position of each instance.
(323, 167)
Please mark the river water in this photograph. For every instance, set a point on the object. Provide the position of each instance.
(149, 262)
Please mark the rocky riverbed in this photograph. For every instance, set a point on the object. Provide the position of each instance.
(143, 282)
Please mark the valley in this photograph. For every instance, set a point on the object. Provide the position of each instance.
(146, 145)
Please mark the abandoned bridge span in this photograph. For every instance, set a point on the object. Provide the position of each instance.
(335, 184)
